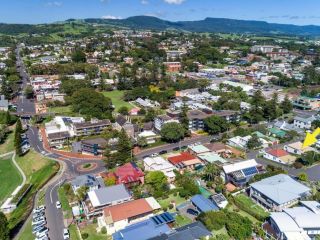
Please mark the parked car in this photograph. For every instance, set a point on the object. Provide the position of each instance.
(66, 234)
(38, 222)
(192, 212)
(58, 205)
(37, 228)
(38, 218)
(39, 209)
(42, 232)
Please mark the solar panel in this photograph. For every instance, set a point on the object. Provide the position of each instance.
(163, 218)
(250, 171)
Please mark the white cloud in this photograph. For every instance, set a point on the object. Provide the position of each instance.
(111, 17)
(144, 2)
(54, 4)
(177, 2)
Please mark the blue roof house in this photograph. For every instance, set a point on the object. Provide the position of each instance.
(203, 204)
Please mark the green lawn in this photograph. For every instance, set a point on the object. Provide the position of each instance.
(73, 232)
(38, 170)
(64, 203)
(10, 178)
(251, 205)
(164, 203)
(7, 146)
(27, 233)
(182, 220)
(65, 110)
(233, 208)
(116, 97)
(93, 235)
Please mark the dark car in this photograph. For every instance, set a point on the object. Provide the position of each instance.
(176, 149)
(163, 152)
(192, 212)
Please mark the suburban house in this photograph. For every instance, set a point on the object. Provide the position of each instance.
(87, 180)
(119, 216)
(239, 173)
(278, 192)
(203, 204)
(185, 161)
(297, 148)
(306, 103)
(303, 122)
(220, 200)
(159, 121)
(160, 164)
(280, 156)
(149, 136)
(173, 66)
(195, 230)
(128, 174)
(197, 149)
(211, 157)
(301, 222)
(108, 196)
(147, 229)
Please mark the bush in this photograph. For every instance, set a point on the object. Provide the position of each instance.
(170, 206)
(297, 165)
(95, 221)
(84, 235)
(103, 230)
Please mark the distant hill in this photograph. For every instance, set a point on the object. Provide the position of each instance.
(212, 25)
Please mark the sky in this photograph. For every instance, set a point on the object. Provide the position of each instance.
(300, 12)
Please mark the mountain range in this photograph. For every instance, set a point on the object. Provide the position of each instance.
(211, 25)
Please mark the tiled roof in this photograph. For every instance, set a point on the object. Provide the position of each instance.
(128, 173)
(127, 210)
(278, 152)
(184, 156)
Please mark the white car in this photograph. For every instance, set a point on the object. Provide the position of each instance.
(38, 222)
(39, 209)
(66, 234)
(58, 205)
(43, 232)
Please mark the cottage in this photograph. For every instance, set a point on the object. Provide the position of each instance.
(280, 156)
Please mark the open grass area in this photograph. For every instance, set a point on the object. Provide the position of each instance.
(182, 220)
(93, 235)
(65, 110)
(38, 170)
(27, 233)
(246, 204)
(233, 208)
(164, 203)
(116, 97)
(8, 145)
(67, 210)
(10, 178)
(74, 235)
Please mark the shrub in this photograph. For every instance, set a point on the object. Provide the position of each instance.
(170, 206)
(84, 235)
(103, 230)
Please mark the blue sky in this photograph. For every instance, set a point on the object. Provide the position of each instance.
(301, 12)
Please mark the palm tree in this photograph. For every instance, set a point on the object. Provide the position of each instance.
(210, 172)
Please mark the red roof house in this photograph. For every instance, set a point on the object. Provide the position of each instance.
(185, 160)
(129, 174)
(278, 152)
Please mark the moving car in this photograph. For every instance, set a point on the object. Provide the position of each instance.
(58, 205)
(66, 234)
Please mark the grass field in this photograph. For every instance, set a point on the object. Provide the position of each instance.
(65, 110)
(38, 170)
(7, 146)
(64, 203)
(10, 178)
(93, 235)
(246, 201)
(117, 99)
(73, 232)
(164, 203)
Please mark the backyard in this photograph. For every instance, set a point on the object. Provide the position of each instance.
(116, 97)
(90, 229)
(164, 203)
(8, 171)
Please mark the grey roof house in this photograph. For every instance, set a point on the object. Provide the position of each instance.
(278, 192)
(87, 180)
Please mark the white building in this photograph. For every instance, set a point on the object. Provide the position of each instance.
(160, 164)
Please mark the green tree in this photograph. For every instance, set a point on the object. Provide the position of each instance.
(257, 106)
(123, 110)
(286, 105)
(303, 177)
(142, 142)
(254, 142)
(78, 56)
(216, 124)
(316, 124)
(28, 92)
(82, 192)
(4, 228)
(183, 116)
(17, 138)
(172, 132)
(158, 183)
(91, 103)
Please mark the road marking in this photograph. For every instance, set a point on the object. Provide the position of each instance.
(58, 183)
